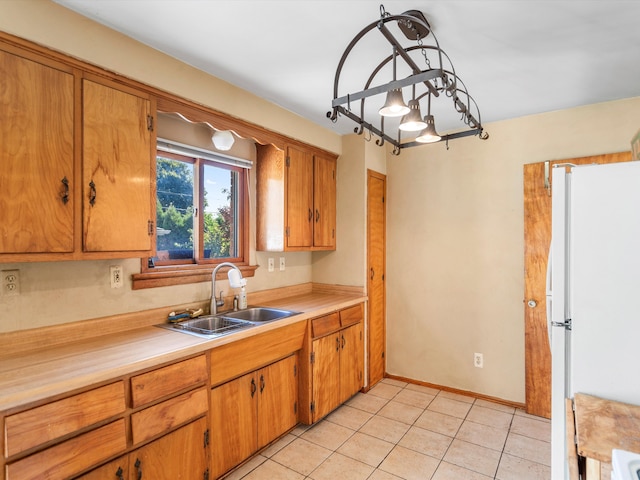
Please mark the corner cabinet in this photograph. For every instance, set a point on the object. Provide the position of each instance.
(337, 359)
(78, 163)
(296, 199)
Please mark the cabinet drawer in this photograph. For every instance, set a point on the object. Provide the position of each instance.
(351, 315)
(164, 381)
(163, 417)
(73, 456)
(242, 356)
(325, 325)
(41, 424)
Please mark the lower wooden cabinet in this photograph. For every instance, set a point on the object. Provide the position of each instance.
(251, 411)
(337, 365)
(181, 454)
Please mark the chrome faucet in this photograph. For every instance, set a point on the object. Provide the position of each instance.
(235, 281)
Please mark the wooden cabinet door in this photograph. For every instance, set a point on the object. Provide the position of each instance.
(277, 401)
(36, 156)
(117, 469)
(326, 375)
(299, 201)
(118, 170)
(351, 361)
(324, 201)
(179, 455)
(233, 423)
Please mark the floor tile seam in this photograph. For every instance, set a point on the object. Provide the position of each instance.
(336, 452)
(507, 429)
(522, 434)
(513, 454)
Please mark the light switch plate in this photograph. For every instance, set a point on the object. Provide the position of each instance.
(282, 264)
(271, 265)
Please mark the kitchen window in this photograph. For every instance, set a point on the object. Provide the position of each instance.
(202, 216)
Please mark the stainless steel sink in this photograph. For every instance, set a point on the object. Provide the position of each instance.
(259, 314)
(210, 326)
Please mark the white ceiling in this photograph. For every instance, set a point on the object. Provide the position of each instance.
(516, 57)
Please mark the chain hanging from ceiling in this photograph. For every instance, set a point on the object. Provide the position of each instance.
(438, 79)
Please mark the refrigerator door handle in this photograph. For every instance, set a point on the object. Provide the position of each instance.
(566, 324)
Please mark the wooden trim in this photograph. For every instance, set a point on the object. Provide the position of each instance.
(467, 393)
(170, 275)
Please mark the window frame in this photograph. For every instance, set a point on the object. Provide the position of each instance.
(199, 269)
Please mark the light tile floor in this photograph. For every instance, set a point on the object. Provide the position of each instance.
(405, 431)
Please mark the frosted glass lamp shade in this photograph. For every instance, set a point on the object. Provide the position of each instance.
(223, 139)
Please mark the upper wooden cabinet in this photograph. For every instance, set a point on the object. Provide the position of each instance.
(78, 163)
(36, 156)
(296, 199)
(117, 167)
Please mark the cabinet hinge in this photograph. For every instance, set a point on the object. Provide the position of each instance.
(206, 474)
(295, 370)
(313, 358)
(150, 123)
(286, 232)
(206, 438)
(150, 227)
(333, 233)
(288, 161)
(313, 407)
(295, 407)
(383, 199)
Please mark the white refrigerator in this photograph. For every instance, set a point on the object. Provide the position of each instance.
(593, 290)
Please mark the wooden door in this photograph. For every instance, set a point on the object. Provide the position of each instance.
(233, 423)
(115, 470)
(299, 199)
(376, 248)
(326, 375)
(537, 238)
(36, 156)
(324, 200)
(181, 454)
(118, 170)
(277, 399)
(351, 361)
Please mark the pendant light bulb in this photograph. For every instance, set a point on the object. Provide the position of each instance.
(394, 106)
(412, 121)
(429, 134)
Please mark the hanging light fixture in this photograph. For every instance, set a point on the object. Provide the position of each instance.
(429, 134)
(438, 79)
(394, 105)
(412, 121)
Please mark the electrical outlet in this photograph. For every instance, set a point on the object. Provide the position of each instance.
(115, 273)
(282, 264)
(478, 360)
(11, 282)
(271, 265)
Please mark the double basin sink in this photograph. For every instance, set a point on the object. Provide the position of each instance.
(212, 326)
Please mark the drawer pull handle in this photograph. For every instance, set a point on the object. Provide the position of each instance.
(253, 387)
(138, 466)
(261, 383)
(65, 195)
(120, 473)
(92, 193)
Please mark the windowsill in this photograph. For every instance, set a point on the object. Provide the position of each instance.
(168, 276)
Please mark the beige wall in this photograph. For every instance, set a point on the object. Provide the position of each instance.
(455, 244)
